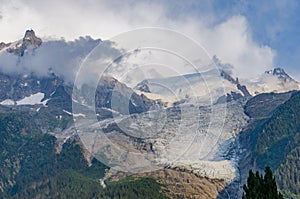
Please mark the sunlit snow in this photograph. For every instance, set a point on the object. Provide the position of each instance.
(33, 99)
(7, 102)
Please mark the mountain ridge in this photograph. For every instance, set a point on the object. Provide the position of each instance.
(50, 112)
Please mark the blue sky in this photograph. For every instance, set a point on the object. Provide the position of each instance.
(263, 33)
(278, 25)
(275, 23)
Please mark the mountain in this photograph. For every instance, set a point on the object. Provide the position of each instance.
(47, 84)
(189, 86)
(279, 141)
(194, 135)
(272, 138)
(52, 91)
(29, 41)
(32, 167)
(41, 151)
(281, 74)
(276, 80)
(218, 81)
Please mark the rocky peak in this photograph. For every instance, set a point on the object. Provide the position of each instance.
(240, 87)
(29, 33)
(279, 71)
(2, 45)
(281, 74)
(143, 86)
(29, 41)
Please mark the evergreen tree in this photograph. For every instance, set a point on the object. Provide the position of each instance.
(259, 187)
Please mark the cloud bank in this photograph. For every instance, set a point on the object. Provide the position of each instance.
(60, 57)
(230, 39)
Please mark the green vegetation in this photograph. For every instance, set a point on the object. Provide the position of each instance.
(259, 187)
(280, 134)
(52, 118)
(71, 184)
(31, 167)
(288, 174)
(278, 145)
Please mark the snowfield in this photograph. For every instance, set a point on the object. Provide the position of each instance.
(173, 89)
(33, 99)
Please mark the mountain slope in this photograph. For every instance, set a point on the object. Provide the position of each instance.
(43, 157)
(276, 80)
(206, 86)
(32, 168)
(276, 141)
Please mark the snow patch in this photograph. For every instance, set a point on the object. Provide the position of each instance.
(69, 113)
(74, 115)
(52, 93)
(8, 102)
(79, 115)
(68, 137)
(74, 100)
(33, 99)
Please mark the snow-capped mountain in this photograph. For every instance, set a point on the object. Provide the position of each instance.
(45, 76)
(198, 85)
(208, 83)
(219, 84)
(281, 74)
(276, 80)
(165, 114)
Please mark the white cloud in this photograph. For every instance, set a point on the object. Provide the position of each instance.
(230, 40)
(61, 57)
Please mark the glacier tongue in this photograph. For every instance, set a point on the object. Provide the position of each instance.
(200, 139)
(210, 154)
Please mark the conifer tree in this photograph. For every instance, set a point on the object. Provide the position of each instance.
(259, 187)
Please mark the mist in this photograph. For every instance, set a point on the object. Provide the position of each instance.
(60, 57)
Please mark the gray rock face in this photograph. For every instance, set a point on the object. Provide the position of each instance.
(121, 98)
(240, 87)
(3, 45)
(29, 41)
(16, 87)
(204, 140)
(263, 105)
(228, 77)
(281, 74)
(59, 94)
(143, 86)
